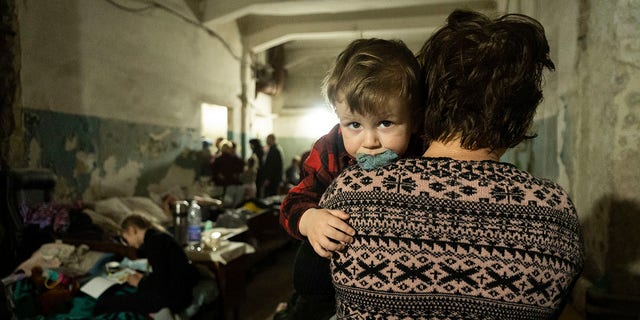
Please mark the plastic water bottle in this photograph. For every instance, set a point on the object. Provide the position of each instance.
(194, 218)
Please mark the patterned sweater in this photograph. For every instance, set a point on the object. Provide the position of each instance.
(444, 239)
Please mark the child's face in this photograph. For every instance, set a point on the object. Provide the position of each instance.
(375, 133)
(132, 236)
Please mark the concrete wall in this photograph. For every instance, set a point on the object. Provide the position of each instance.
(604, 149)
(589, 126)
(112, 97)
(296, 133)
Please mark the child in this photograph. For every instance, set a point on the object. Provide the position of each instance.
(171, 282)
(374, 88)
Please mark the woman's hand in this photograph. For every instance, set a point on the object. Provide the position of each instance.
(327, 230)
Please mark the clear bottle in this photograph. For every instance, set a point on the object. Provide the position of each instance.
(194, 218)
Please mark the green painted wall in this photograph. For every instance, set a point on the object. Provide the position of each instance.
(78, 148)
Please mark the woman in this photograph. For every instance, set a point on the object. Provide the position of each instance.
(171, 281)
(458, 234)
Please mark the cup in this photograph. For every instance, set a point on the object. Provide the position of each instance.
(212, 240)
(112, 267)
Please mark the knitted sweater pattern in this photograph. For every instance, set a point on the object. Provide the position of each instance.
(444, 239)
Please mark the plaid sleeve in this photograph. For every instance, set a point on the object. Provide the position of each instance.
(324, 163)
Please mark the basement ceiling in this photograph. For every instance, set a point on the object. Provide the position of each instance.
(321, 23)
(313, 32)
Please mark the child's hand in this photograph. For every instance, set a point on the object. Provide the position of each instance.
(327, 230)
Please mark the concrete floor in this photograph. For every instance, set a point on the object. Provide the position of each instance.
(269, 283)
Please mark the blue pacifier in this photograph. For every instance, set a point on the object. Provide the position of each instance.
(369, 162)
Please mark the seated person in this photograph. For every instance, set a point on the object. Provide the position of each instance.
(457, 234)
(170, 282)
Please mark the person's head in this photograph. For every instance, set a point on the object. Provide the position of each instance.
(271, 139)
(295, 160)
(483, 79)
(227, 147)
(206, 143)
(218, 140)
(255, 144)
(375, 89)
(134, 228)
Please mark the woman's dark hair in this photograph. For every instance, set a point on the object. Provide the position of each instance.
(483, 79)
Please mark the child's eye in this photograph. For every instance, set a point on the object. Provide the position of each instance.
(386, 124)
(353, 125)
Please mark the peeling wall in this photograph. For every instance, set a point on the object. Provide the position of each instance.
(95, 158)
(111, 97)
(594, 98)
(607, 138)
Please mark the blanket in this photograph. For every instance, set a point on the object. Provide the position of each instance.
(75, 260)
(25, 297)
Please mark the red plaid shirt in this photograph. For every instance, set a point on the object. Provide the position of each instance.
(326, 160)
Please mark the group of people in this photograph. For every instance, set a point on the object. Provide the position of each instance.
(404, 208)
(406, 211)
(235, 179)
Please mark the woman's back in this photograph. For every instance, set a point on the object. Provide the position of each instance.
(444, 239)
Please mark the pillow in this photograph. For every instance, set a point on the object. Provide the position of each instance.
(108, 225)
(112, 208)
(116, 209)
(148, 208)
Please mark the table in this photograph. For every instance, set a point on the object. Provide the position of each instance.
(229, 264)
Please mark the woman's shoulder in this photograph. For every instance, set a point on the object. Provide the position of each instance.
(491, 175)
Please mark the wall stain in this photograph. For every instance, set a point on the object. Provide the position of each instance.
(633, 99)
(71, 143)
(95, 157)
(630, 122)
(85, 163)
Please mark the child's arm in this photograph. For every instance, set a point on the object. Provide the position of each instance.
(326, 159)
